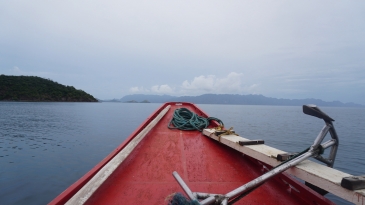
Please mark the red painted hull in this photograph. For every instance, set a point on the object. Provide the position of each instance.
(145, 177)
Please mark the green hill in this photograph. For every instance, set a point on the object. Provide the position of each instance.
(32, 88)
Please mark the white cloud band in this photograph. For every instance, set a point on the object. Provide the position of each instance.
(230, 84)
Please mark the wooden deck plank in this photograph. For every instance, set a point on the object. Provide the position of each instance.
(322, 176)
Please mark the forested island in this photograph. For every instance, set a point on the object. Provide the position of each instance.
(37, 89)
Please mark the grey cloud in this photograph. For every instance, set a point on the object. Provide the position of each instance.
(290, 49)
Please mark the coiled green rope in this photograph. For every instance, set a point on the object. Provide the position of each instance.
(184, 119)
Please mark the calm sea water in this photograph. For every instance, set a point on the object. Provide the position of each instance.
(45, 147)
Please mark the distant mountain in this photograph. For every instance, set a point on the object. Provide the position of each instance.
(235, 100)
(36, 89)
(149, 98)
(113, 100)
(133, 101)
(258, 100)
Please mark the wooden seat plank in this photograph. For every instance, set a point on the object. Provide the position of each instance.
(322, 176)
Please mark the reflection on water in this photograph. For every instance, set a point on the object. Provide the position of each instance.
(45, 147)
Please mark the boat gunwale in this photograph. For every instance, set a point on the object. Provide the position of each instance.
(63, 197)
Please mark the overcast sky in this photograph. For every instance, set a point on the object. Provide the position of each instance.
(282, 49)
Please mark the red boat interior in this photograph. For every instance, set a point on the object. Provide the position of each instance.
(205, 165)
